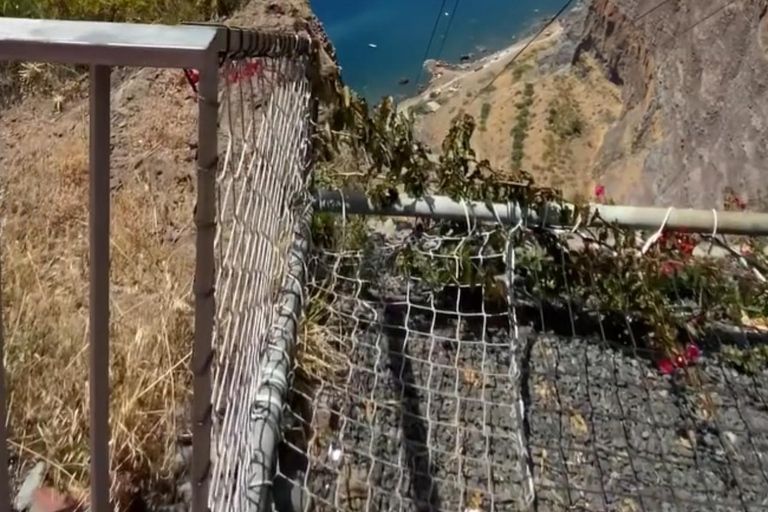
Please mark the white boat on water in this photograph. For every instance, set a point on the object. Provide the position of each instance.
(372, 45)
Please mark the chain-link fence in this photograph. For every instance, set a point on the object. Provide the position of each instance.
(261, 198)
(424, 381)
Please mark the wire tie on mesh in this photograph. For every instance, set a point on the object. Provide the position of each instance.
(496, 213)
(270, 398)
(714, 232)
(260, 483)
(470, 227)
(343, 211)
(577, 224)
(653, 238)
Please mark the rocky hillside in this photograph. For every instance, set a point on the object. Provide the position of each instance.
(694, 80)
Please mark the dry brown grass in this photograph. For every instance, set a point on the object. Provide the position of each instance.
(45, 292)
(319, 356)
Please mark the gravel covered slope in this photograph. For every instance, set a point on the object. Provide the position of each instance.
(425, 417)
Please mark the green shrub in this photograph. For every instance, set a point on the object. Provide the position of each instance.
(485, 111)
(522, 125)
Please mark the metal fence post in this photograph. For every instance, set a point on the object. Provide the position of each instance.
(205, 222)
(5, 490)
(99, 285)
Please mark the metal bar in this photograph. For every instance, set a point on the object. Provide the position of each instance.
(205, 222)
(5, 491)
(433, 206)
(109, 44)
(5, 485)
(268, 405)
(647, 218)
(99, 285)
(700, 221)
(140, 45)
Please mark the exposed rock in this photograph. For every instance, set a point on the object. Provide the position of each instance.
(695, 82)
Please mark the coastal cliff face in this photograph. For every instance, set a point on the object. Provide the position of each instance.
(694, 79)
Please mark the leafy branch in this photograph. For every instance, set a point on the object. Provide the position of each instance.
(667, 293)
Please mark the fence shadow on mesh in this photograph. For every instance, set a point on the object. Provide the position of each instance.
(413, 390)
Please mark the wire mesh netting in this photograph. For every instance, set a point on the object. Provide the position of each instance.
(261, 194)
(416, 391)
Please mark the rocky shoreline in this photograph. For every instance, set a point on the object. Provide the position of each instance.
(570, 23)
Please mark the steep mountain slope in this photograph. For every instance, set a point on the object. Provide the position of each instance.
(694, 77)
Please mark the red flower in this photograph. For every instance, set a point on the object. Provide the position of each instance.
(686, 248)
(193, 76)
(599, 191)
(692, 352)
(233, 76)
(666, 367)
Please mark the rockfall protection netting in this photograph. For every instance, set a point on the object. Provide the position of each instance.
(265, 123)
(411, 392)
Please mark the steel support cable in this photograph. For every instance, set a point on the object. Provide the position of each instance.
(429, 44)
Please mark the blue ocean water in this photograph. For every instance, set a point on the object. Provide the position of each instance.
(401, 30)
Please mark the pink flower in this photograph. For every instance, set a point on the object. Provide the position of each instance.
(599, 191)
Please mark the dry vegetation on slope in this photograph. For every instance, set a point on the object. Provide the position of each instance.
(45, 281)
(549, 123)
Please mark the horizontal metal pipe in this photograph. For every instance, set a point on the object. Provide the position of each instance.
(635, 217)
(267, 409)
(432, 206)
(107, 44)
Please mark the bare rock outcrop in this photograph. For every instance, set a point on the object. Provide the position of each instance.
(695, 85)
